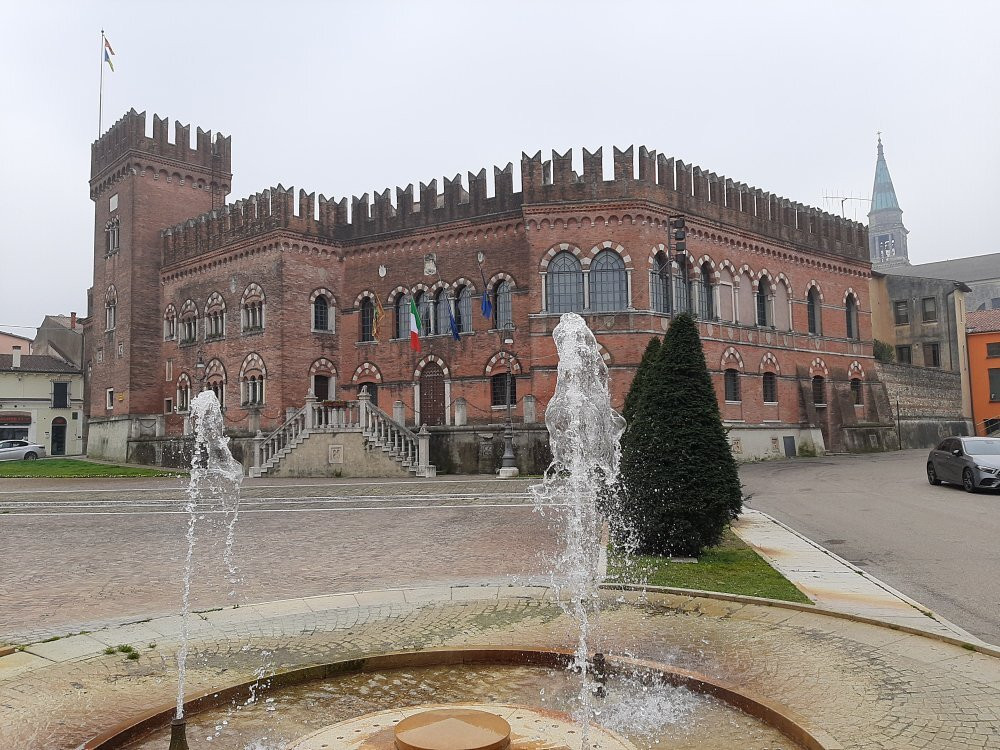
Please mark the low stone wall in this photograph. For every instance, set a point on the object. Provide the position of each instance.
(764, 442)
(926, 403)
(107, 439)
(478, 449)
(175, 452)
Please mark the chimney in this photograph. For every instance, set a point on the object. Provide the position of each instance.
(72, 321)
(16, 353)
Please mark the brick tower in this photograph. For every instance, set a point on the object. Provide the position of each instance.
(139, 185)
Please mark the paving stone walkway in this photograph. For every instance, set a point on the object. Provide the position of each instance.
(862, 685)
(834, 583)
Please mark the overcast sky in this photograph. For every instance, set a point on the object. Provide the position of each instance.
(346, 98)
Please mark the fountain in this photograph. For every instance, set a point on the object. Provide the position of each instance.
(485, 698)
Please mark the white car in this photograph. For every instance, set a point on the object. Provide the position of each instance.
(20, 450)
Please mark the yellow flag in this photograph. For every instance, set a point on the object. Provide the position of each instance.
(377, 317)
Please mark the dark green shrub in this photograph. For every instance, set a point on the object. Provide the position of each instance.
(679, 483)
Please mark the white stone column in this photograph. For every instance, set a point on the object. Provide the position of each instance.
(461, 412)
(528, 409)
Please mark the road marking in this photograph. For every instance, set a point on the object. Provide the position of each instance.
(14, 504)
(284, 510)
(417, 483)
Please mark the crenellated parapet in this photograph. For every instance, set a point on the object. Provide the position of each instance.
(689, 190)
(677, 187)
(129, 134)
(259, 213)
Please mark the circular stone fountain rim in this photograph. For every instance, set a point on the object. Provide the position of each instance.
(772, 713)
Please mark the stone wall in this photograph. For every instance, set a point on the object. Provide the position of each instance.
(928, 402)
(479, 449)
(107, 439)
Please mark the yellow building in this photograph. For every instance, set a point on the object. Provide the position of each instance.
(41, 400)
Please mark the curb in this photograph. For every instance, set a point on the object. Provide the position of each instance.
(959, 632)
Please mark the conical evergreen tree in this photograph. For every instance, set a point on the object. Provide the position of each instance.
(640, 377)
(680, 485)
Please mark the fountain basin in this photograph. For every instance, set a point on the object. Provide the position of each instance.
(764, 721)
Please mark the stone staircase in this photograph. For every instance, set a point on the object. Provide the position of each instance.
(409, 450)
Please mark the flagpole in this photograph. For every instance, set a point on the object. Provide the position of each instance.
(100, 96)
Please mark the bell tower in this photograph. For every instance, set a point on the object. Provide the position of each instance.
(886, 233)
(139, 185)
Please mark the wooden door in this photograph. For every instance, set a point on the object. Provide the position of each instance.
(432, 395)
(321, 387)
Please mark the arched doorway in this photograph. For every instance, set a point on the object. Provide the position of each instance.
(58, 447)
(432, 395)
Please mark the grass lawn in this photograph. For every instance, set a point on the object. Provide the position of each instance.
(731, 567)
(73, 468)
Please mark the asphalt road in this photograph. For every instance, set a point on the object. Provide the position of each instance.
(938, 545)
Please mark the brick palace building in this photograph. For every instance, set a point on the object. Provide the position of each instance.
(276, 295)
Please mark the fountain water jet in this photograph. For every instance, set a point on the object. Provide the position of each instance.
(216, 478)
(584, 433)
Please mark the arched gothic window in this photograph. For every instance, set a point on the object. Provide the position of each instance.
(403, 316)
(463, 309)
(813, 309)
(819, 390)
(770, 387)
(765, 316)
(367, 320)
(682, 284)
(503, 315)
(859, 397)
(851, 312)
(215, 380)
(321, 314)
(111, 308)
(564, 287)
(499, 384)
(112, 231)
(731, 380)
(252, 305)
(608, 285)
(183, 392)
(189, 322)
(215, 317)
(170, 323)
(442, 310)
(659, 282)
(424, 311)
(706, 298)
(252, 377)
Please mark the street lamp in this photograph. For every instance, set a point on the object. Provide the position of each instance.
(678, 235)
(508, 466)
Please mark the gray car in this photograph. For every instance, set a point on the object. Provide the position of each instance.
(973, 462)
(20, 450)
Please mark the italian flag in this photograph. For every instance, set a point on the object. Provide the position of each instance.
(414, 326)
